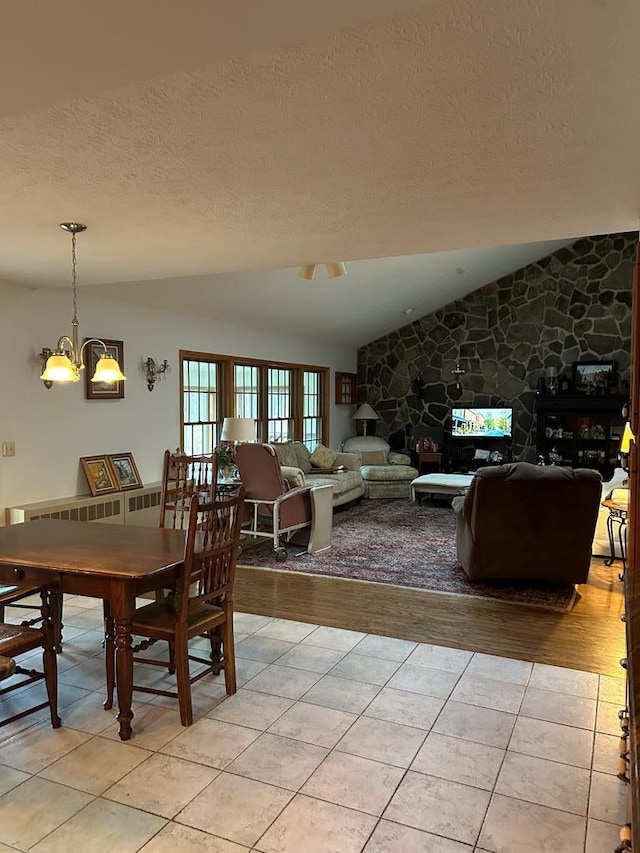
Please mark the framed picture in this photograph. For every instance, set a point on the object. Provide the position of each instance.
(100, 475)
(126, 471)
(594, 377)
(102, 390)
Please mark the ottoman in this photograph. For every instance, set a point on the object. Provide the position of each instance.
(448, 485)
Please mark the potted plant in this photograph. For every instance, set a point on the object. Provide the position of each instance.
(226, 454)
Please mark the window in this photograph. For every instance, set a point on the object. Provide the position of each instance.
(287, 401)
(201, 405)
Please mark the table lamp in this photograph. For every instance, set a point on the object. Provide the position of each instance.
(238, 429)
(625, 445)
(365, 413)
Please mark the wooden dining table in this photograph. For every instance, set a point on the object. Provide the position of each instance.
(115, 562)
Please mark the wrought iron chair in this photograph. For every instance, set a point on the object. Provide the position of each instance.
(16, 640)
(203, 604)
(277, 510)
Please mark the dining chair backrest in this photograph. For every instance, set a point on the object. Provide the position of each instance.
(211, 552)
(182, 478)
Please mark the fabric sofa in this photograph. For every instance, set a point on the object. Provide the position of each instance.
(341, 471)
(386, 474)
(528, 522)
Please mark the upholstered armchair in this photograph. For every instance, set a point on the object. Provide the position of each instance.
(528, 522)
(275, 509)
(385, 474)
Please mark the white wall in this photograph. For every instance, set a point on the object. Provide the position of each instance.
(53, 428)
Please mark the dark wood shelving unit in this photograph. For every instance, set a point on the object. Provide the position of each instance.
(584, 431)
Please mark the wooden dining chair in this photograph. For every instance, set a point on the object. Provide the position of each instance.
(183, 477)
(202, 604)
(16, 640)
(13, 596)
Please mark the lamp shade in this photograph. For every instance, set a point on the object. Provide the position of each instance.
(59, 369)
(335, 269)
(365, 413)
(107, 370)
(238, 429)
(627, 436)
(308, 271)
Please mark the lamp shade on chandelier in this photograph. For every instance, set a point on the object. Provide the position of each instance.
(65, 362)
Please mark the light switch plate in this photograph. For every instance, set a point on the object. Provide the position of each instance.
(8, 448)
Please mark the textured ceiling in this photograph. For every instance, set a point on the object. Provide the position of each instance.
(203, 138)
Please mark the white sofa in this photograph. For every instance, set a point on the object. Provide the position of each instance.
(601, 546)
(386, 474)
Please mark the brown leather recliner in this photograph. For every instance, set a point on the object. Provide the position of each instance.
(528, 522)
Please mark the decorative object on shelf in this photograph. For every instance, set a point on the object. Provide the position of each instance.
(334, 270)
(154, 371)
(346, 388)
(541, 386)
(594, 377)
(93, 355)
(100, 474)
(365, 413)
(552, 380)
(564, 384)
(125, 470)
(64, 363)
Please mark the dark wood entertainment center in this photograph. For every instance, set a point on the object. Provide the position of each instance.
(584, 431)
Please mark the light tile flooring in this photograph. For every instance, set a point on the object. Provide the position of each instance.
(336, 742)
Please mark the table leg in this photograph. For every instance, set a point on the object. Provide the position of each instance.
(109, 654)
(622, 536)
(612, 545)
(122, 605)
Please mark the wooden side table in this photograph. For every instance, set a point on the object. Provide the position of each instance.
(430, 461)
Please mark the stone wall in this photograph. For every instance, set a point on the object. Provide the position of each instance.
(574, 305)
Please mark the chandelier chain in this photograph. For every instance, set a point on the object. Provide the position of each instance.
(74, 275)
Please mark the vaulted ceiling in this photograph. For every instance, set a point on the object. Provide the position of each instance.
(215, 145)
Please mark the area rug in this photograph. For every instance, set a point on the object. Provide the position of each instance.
(406, 544)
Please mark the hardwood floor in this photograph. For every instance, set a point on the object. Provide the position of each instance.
(590, 637)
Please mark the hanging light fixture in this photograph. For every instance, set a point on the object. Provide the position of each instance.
(334, 270)
(64, 363)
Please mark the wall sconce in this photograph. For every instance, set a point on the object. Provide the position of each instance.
(454, 390)
(154, 371)
(64, 363)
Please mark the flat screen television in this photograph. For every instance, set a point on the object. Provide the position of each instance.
(481, 423)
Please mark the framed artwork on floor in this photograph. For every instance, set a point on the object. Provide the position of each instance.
(126, 471)
(100, 475)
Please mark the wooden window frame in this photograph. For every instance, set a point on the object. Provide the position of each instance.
(346, 388)
(226, 365)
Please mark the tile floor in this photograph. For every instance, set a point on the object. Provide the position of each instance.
(336, 742)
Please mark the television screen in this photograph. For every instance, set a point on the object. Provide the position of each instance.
(481, 423)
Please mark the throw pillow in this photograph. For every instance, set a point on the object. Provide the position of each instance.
(323, 457)
(373, 457)
(302, 455)
(286, 453)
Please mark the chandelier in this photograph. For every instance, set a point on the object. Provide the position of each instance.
(64, 363)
